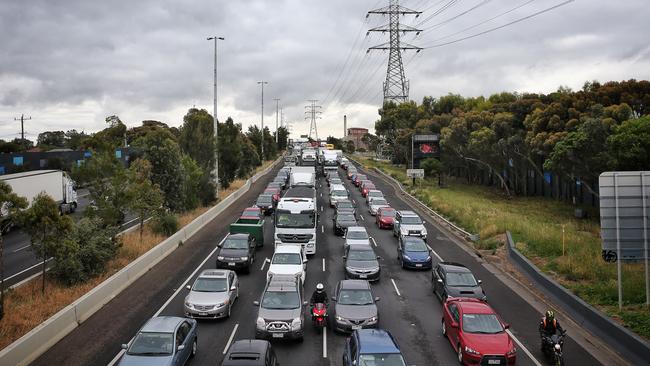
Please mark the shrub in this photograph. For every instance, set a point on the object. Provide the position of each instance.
(165, 224)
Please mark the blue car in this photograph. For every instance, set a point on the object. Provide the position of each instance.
(372, 347)
(164, 341)
(413, 252)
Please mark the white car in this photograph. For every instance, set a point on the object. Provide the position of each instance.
(373, 193)
(375, 203)
(337, 193)
(289, 260)
(356, 235)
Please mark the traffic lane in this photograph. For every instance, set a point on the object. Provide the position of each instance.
(506, 302)
(120, 319)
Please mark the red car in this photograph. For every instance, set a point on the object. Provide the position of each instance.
(366, 187)
(357, 180)
(275, 192)
(477, 333)
(385, 217)
(254, 213)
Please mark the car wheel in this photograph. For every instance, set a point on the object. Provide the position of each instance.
(460, 354)
(444, 328)
(194, 347)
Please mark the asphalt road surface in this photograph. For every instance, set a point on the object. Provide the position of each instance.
(407, 308)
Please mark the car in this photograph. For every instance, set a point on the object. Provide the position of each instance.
(237, 251)
(281, 180)
(335, 181)
(345, 163)
(275, 185)
(342, 221)
(345, 206)
(372, 194)
(363, 183)
(355, 306)
(276, 193)
(351, 172)
(384, 217)
(252, 213)
(375, 204)
(331, 175)
(366, 187)
(361, 262)
(338, 192)
(413, 252)
(212, 294)
(287, 259)
(450, 279)
(358, 178)
(162, 340)
(372, 347)
(280, 314)
(476, 333)
(356, 235)
(250, 352)
(408, 223)
(265, 202)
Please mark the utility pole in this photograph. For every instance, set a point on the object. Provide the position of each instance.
(396, 87)
(262, 83)
(277, 105)
(22, 126)
(215, 120)
(312, 115)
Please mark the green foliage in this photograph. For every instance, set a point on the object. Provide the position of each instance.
(630, 144)
(193, 176)
(348, 147)
(107, 139)
(51, 139)
(74, 139)
(197, 138)
(283, 138)
(144, 197)
(165, 223)
(432, 167)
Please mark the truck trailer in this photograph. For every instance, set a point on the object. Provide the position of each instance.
(55, 183)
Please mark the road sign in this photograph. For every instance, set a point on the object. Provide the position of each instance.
(415, 173)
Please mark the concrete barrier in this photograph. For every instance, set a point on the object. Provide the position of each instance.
(45, 335)
(629, 345)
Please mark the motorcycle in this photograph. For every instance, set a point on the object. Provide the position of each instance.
(319, 315)
(553, 347)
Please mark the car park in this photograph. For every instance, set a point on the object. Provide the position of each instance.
(476, 333)
(345, 206)
(250, 352)
(450, 279)
(253, 213)
(361, 262)
(366, 187)
(355, 306)
(413, 252)
(287, 260)
(162, 340)
(237, 251)
(375, 204)
(342, 221)
(384, 217)
(372, 194)
(408, 223)
(356, 235)
(375, 347)
(280, 314)
(265, 202)
(212, 294)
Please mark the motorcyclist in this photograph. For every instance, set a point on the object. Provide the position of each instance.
(319, 296)
(548, 327)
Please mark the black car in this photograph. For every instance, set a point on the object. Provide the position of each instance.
(451, 279)
(265, 202)
(345, 206)
(237, 252)
(250, 352)
(342, 221)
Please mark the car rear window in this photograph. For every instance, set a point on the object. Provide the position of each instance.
(381, 359)
(481, 323)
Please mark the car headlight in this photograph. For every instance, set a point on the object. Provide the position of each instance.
(514, 350)
(406, 257)
(223, 303)
(471, 351)
(428, 258)
(340, 318)
(244, 258)
(188, 304)
(296, 323)
(349, 269)
(403, 231)
(220, 257)
(261, 323)
(372, 320)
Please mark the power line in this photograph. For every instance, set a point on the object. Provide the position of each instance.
(456, 16)
(22, 125)
(446, 6)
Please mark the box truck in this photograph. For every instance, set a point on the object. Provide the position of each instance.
(55, 183)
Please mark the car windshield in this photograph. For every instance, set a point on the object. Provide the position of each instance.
(152, 344)
(388, 213)
(356, 234)
(280, 300)
(207, 284)
(344, 204)
(378, 202)
(291, 220)
(362, 255)
(340, 192)
(461, 279)
(415, 246)
(375, 194)
(235, 244)
(286, 258)
(264, 200)
(251, 212)
(411, 220)
(335, 181)
(381, 359)
(345, 218)
(481, 323)
(355, 297)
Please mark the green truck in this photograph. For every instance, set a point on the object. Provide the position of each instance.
(254, 227)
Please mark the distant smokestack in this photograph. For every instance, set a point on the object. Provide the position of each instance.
(345, 125)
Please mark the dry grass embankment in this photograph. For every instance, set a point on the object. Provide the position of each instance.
(26, 307)
(536, 225)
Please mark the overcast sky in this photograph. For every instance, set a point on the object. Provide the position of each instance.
(70, 63)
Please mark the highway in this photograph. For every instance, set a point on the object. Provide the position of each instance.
(407, 308)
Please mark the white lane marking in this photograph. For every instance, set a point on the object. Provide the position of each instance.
(361, 216)
(395, 285)
(322, 228)
(263, 264)
(355, 202)
(526, 351)
(436, 254)
(323, 264)
(321, 194)
(232, 335)
(22, 248)
(179, 289)
(373, 241)
(324, 341)
(27, 269)
(321, 208)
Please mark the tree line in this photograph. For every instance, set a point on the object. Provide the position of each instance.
(504, 138)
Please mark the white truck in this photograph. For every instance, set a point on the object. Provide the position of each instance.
(296, 219)
(55, 183)
(302, 176)
(330, 160)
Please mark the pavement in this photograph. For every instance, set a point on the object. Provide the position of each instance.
(408, 308)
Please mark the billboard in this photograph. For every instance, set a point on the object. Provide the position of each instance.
(624, 211)
(425, 147)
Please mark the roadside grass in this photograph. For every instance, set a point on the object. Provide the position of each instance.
(536, 225)
(26, 307)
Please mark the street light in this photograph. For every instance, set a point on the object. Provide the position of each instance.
(214, 116)
(262, 84)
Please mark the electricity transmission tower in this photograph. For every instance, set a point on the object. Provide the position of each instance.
(312, 113)
(396, 87)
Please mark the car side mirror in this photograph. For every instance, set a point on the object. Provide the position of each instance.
(233, 288)
(454, 325)
(267, 260)
(124, 346)
(354, 362)
(506, 326)
(256, 303)
(305, 303)
(345, 256)
(188, 287)
(378, 257)
(333, 298)
(304, 261)
(480, 281)
(181, 347)
(377, 298)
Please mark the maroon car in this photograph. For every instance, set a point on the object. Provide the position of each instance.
(254, 213)
(385, 217)
(366, 186)
(358, 178)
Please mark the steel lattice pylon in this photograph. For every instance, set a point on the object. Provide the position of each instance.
(396, 87)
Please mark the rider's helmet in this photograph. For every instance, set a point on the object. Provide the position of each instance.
(319, 288)
(550, 316)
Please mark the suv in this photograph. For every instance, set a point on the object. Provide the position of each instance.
(250, 352)
(372, 347)
(212, 294)
(281, 306)
(408, 223)
(288, 259)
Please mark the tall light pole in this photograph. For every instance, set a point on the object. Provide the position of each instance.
(262, 130)
(277, 105)
(215, 121)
